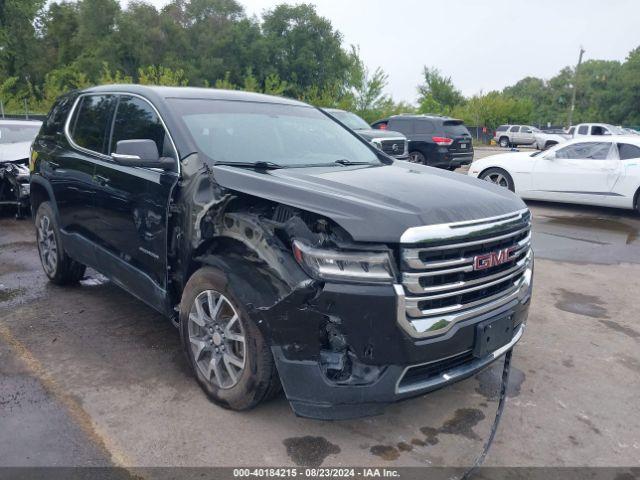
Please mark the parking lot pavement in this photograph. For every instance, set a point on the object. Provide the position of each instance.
(101, 367)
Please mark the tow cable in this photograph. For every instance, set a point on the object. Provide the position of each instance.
(492, 433)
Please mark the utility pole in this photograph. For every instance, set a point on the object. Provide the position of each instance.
(573, 94)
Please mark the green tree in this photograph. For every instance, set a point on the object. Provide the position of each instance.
(305, 50)
(437, 94)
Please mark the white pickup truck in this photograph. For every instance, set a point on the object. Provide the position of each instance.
(548, 138)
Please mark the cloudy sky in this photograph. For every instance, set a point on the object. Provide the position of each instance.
(482, 45)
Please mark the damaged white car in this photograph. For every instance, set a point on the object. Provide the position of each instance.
(16, 137)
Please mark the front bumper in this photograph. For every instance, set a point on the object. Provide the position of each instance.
(381, 352)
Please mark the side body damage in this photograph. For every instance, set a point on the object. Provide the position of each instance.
(250, 238)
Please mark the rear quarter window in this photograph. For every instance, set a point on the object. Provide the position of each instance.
(57, 117)
(455, 128)
(502, 128)
(628, 151)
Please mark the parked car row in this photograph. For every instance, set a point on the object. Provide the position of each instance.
(516, 135)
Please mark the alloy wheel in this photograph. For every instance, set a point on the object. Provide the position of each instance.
(498, 179)
(47, 246)
(217, 339)
(415, 157)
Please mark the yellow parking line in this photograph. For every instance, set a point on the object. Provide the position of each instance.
(76, 412)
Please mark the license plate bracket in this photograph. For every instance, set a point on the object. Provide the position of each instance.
(463, 145)
(492, 334)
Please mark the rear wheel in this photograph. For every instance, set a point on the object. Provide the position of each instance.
(499, 177)
(504, 142)
(226, 350)
(57, 265)
(417, 157)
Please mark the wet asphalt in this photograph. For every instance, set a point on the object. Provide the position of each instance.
(90, 376)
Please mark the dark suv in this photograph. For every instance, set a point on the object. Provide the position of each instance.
(436, 141)
(286, 249)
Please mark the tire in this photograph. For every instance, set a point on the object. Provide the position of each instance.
(213, 349)
(57, 265)
(499, 177)
(504, 142)
(637, 204)
(417, 157)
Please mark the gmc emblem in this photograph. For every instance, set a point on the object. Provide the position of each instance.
(493, 259)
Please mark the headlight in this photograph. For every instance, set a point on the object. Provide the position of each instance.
(363, 267)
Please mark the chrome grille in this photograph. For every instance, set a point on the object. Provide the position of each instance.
(394, 147)
(440, 281)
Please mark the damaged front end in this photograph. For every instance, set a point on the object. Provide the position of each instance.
(14, 186)
(327, 305)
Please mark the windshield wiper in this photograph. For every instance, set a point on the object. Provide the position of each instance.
(344, 161)
(260, 165)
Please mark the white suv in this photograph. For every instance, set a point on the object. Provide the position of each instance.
(514, 135)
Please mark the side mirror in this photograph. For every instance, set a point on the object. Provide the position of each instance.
(141, 153)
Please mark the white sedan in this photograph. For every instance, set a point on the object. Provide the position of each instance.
(602, 170)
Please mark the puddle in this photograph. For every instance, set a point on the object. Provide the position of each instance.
(462, 423)
(7, 294)
(580, 304)
(309, 451)
(628, 331)
(94, 280)
(595, 223)
(385, 452)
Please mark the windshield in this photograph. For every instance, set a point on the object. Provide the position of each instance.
(351, 120)
(284, 135)
(18, 133)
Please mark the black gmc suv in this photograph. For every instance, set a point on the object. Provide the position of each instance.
(286, 249)
(434, 140)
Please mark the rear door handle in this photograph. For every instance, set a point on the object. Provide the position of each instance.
(100, 180)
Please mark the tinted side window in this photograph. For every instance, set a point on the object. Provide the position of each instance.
(57, 117)
(401, 125)
(585, 151)
(526, 130)
(515, 128)
(89, 126)
(137, 120)
(583, 129)
(422, 127)
(628, 151)
(571, 130)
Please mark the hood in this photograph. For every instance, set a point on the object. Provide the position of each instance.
(373, 133)
(14, 151)
(375, 204)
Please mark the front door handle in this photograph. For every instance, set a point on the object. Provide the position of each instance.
(100, 180)
(53, 165)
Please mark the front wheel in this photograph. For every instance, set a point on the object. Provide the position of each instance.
(499, 177)
(226, 350)
(417, 157)
(57, 265)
